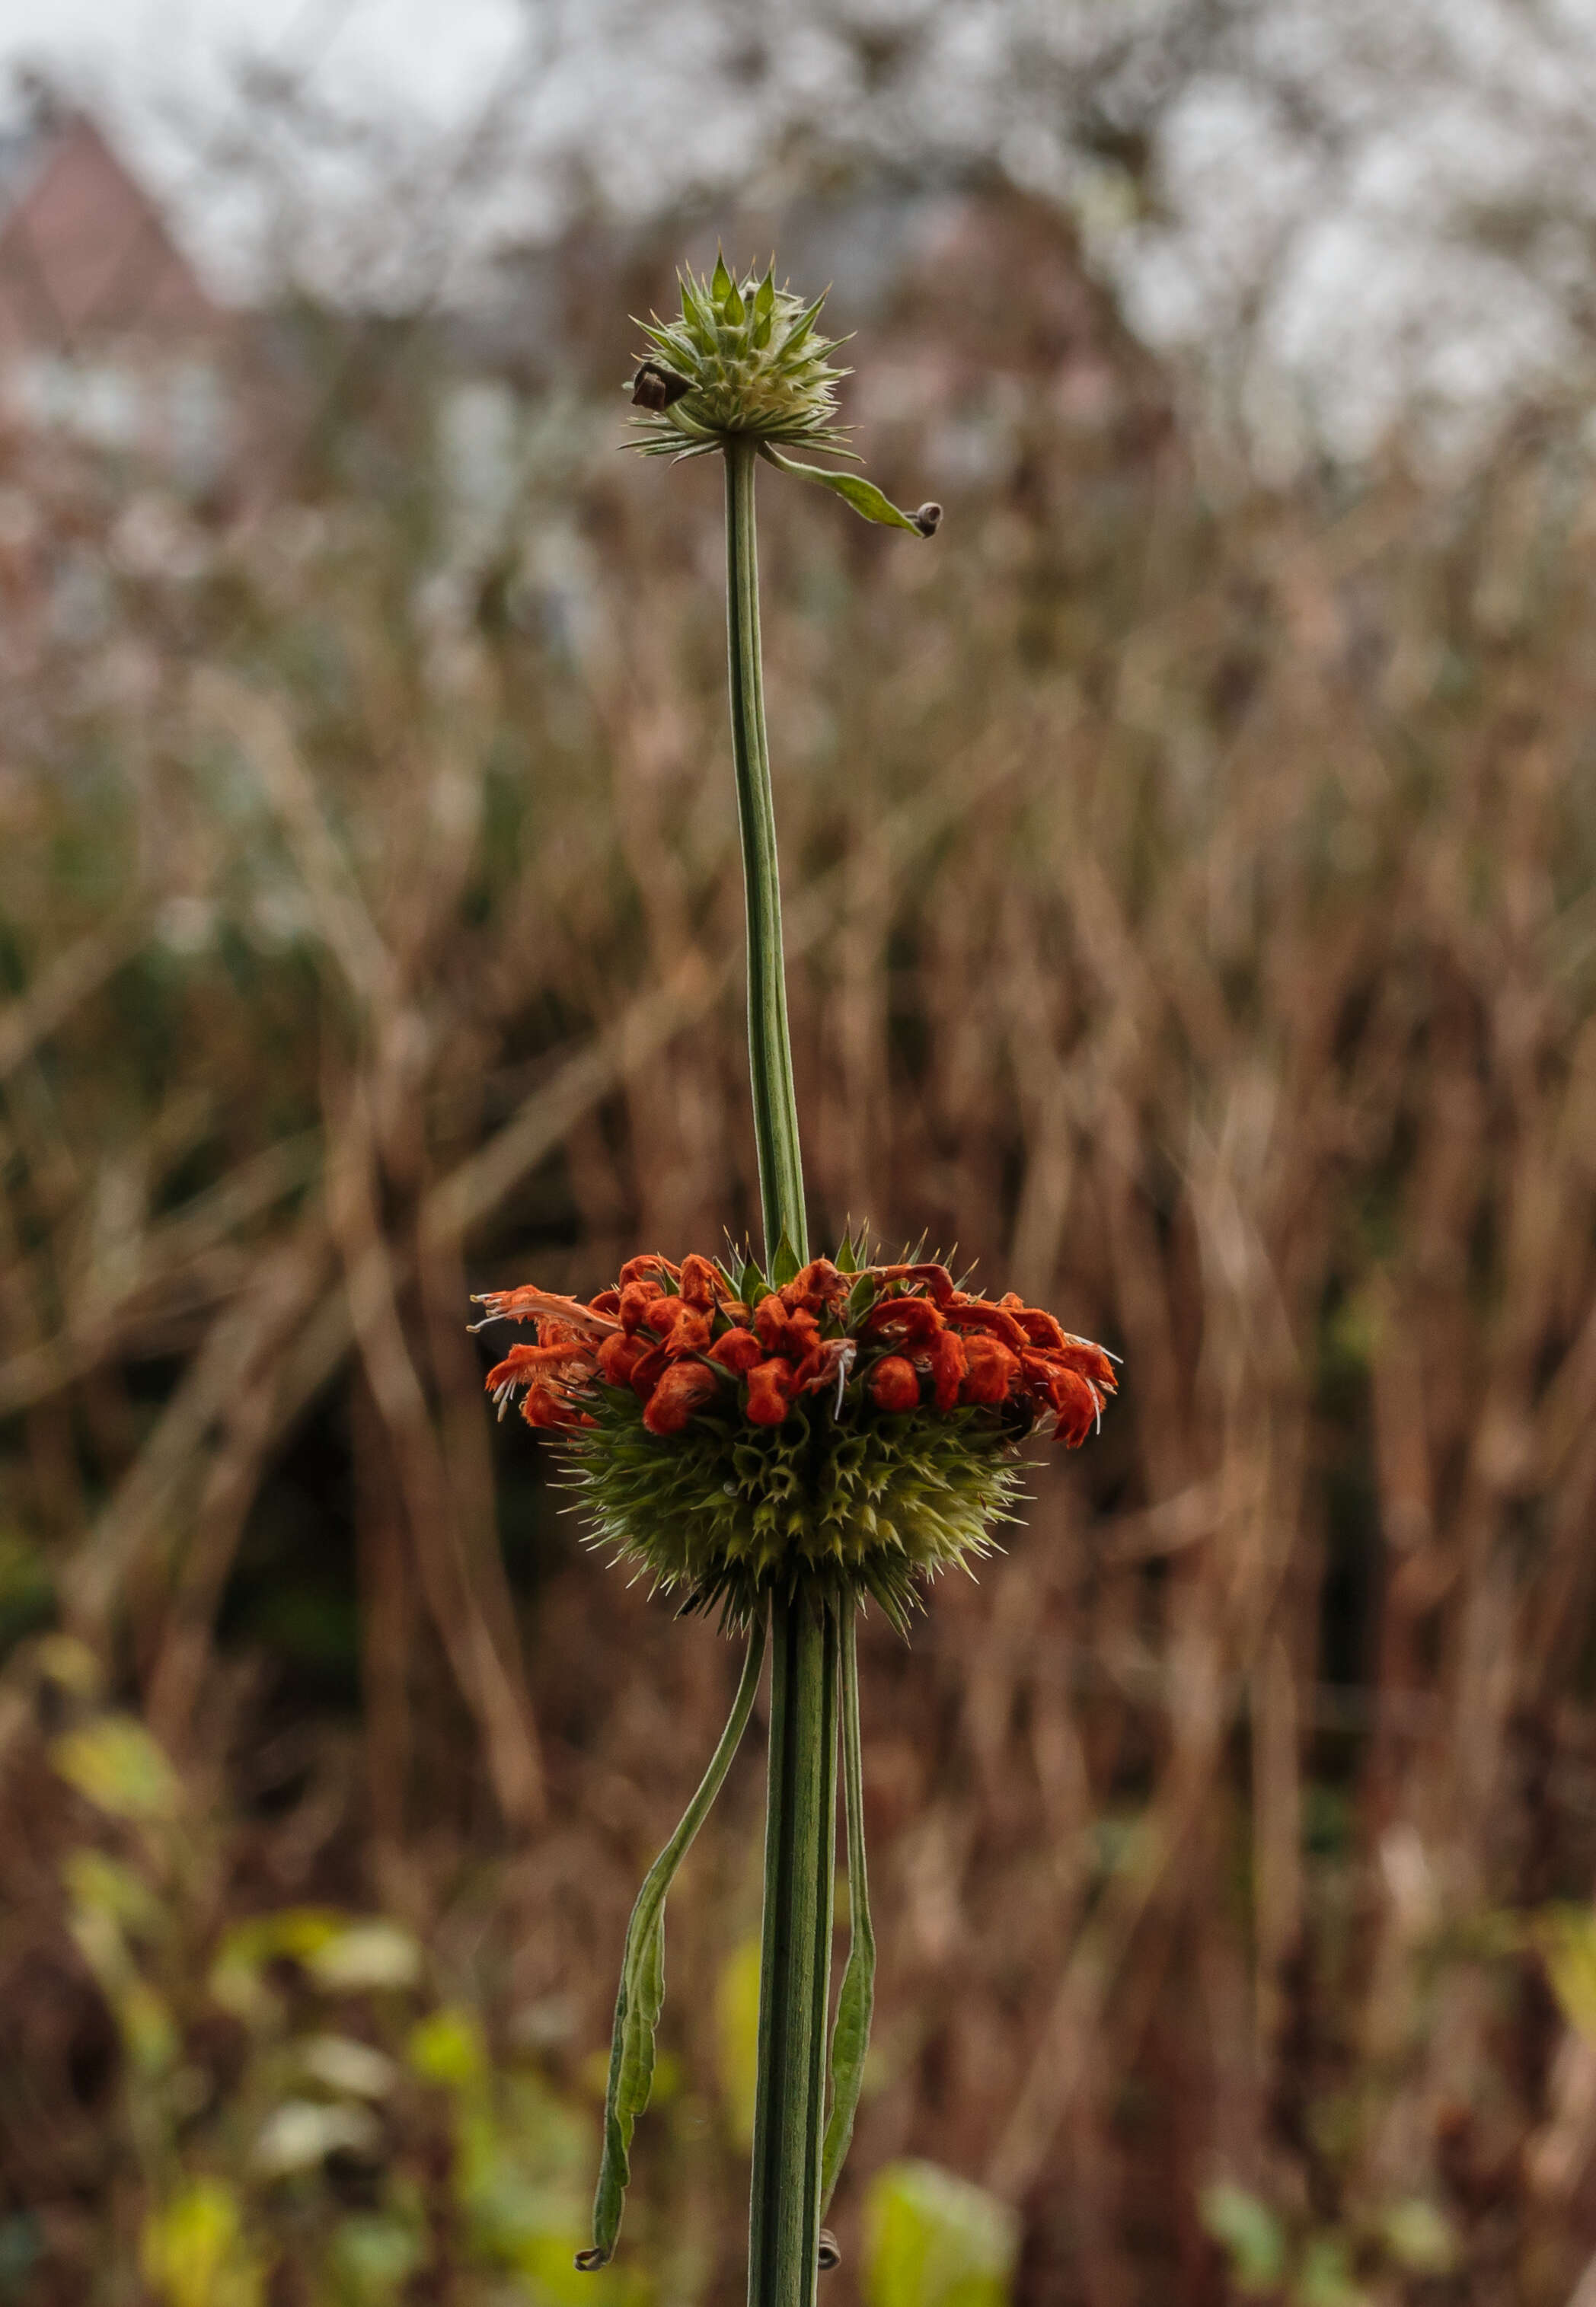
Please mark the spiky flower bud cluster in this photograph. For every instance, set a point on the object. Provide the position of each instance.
(849, 1422)
(745, 362)
(744, 357)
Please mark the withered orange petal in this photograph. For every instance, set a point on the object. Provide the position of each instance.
(683, 1388)
(892, 1384)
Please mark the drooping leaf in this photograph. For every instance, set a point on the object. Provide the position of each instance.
(850, 2033)
(641, 1992)
(866, 499)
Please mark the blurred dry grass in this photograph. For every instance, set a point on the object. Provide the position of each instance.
(1193, 909)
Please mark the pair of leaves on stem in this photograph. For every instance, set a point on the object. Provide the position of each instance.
(641, 1995)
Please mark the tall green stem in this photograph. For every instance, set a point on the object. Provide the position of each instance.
(783, 2227)
(769, 1050)
(805, 1629)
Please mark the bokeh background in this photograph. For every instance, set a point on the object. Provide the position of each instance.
(1190, 865)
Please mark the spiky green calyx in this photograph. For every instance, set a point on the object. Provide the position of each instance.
(867, 1503)
(744, 359)
(744, 365)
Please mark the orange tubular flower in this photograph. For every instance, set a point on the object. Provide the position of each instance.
(771, 1387)
(880, 1339)
(950, 1362)
(990, 1371)
(892, 1384)
(737, 1351)
(684, 1388)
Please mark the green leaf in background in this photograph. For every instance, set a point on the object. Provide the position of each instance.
(641, 1993)
(737, 2036)
(1325, 2279)
(372, 2259)
(935, 2241)
(868, 501)
(1249, 2234)
(118, 1767)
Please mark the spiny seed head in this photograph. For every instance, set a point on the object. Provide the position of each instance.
(727, 1511)
(744, 359)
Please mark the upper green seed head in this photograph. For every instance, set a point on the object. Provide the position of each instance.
(744, 360)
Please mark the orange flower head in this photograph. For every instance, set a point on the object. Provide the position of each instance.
(854, 1421)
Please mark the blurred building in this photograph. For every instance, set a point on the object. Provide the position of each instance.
(108, 334)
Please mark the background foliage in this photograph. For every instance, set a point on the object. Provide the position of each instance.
(1193, 912)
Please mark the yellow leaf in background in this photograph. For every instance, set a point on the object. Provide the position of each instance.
(62, 1659)
(737, 2036)
(1418, 2238)
(932, 2240)
(366, 1957)
(192, 2252)
(1568, 1936)
(147, 2028)
(117, 1765)
(448, 2049)
(294, 1933)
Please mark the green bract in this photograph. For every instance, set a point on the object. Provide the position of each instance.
(730, 1510)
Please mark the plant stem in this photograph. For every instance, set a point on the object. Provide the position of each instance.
(784, 2218)
(795, 1954)
(769, 1050)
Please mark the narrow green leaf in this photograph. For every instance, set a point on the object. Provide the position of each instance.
(720, 283)
(847, 1262)
(850, 2033)
(734, 309)
(753, 1285)
(862, 1297)
(641, 1993)
(784, 1265)
(864, 496)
